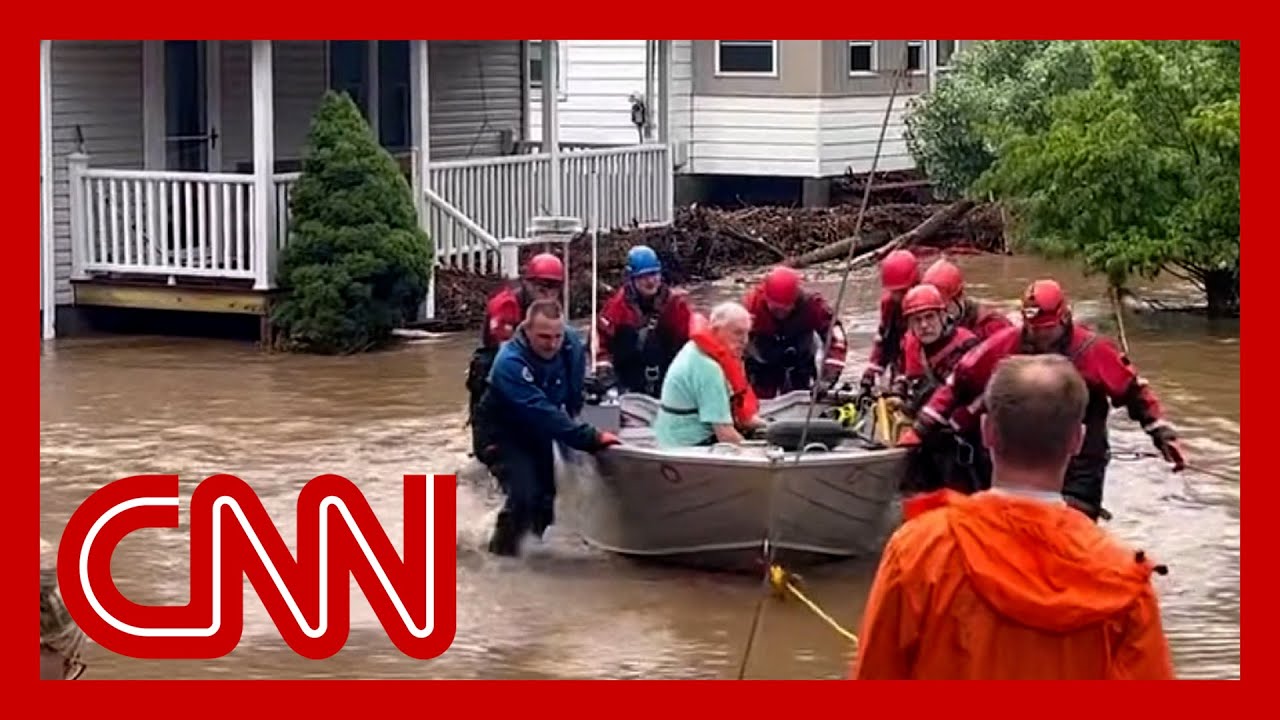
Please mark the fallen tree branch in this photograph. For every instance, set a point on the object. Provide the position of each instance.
(925, 230)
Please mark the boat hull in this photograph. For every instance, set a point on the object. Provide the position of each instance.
(724, 507)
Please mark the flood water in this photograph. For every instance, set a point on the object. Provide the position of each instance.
(116, 406)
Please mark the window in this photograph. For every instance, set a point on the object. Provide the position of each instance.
(747, 57)
(943, 51)
(535, 66)
(394, 109)
(349, 70)
(915, 56)
(862, 57)
(352, 68)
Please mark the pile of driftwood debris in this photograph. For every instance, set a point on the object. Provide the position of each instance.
(707, 244)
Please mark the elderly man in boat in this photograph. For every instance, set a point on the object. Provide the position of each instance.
(641, 327)
(706, 398)
(533, 399)
(789, 326)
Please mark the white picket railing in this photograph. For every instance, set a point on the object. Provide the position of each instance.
(201, 224)
(174, 223)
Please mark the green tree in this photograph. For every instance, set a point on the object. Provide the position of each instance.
(357, 264)
(1123, 153)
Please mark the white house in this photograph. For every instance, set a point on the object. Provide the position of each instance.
(166, 165)
(803, 110)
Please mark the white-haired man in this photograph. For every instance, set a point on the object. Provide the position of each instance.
(706, 397)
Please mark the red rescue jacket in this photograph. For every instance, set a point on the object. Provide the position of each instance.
(886, 349)
(771, 337)
(934, 362)
(1107, 372)
(982, 319)
(634, 338)
(504, 311)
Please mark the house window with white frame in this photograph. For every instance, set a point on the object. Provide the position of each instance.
(747, 57)
(915, 57)
(862, 57)
(535, 67)
(943, 51)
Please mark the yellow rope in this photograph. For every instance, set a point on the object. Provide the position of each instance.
(780, 581)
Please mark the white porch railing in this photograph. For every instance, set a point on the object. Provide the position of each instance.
(165, 223)
(202, 224)
(502, 194)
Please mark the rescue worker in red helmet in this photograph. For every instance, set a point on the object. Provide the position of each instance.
(542, 279)
(1047, 327)
(899, 272)
(980, 318)
(931, 349)
(641, 328)
(789, 327)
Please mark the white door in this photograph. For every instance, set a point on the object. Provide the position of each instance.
(192, 105)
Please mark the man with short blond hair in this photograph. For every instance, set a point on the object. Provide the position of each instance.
(1011, 583)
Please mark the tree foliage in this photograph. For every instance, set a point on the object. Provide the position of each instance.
(1123, 153)
(356, 265)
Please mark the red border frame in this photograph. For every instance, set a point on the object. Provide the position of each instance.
(575, 18)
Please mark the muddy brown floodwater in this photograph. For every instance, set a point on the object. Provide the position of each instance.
(116, 406)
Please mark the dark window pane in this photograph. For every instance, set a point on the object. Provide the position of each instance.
(915, 57)
(746, 56)
(349, 70)
(393, 93)
(946, 48)
(860, 58)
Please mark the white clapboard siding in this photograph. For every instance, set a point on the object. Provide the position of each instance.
(850, 128)
(595, 97)
(681, 92)
(793, 136)
(96, 85)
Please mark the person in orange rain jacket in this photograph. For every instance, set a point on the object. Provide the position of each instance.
(1010, 583)
(1048, 328)
(542, 279)
(899, 272)
(641, 327)
(789, 327)
(982, 319)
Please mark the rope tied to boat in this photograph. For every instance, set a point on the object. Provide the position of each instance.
(783, 582)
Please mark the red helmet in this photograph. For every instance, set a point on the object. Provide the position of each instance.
(922, 298)
(946, 277)
(899, 270)
(782, 286)
(1044, 304)
(544, 266)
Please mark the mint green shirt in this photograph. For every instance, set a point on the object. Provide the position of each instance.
(694, 380)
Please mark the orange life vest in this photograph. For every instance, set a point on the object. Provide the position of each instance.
(742, 399)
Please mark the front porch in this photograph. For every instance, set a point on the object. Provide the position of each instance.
(206, 199)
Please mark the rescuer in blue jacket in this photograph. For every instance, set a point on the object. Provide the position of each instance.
(534, 396)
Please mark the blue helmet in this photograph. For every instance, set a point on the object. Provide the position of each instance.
(642, 260)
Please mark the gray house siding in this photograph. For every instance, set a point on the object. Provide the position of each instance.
(798, 71)
(477, 106)
(96, 86)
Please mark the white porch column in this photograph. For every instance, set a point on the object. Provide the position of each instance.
(665, 65)
(48, 276)
(420, 119)
(264, 162)
(649, 94)
(551, 120)
(664, 91)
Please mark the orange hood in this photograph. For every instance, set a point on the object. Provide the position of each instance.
(1039, 564)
